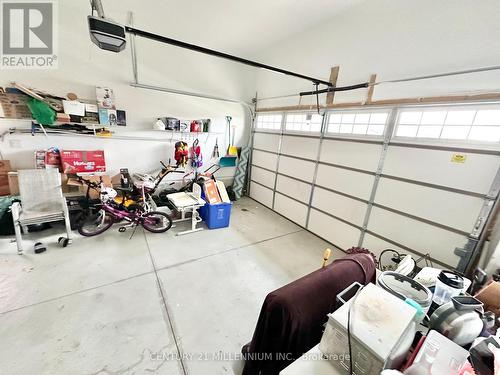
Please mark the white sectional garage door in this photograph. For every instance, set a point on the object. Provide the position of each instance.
(413, 179)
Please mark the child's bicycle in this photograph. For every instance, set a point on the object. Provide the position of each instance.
(111, 212)
(130, 205)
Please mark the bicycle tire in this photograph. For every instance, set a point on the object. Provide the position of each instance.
(109, 221)
(153, 229)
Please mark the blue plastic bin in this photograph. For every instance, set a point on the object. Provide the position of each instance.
(216, 215)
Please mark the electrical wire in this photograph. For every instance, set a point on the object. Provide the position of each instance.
(380, 264)
(349, 330)
(349, 345)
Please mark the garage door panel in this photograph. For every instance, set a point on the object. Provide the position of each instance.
(332, 230)
(301, 147)
(268, 142)
(422, 237)
(300, 169)
(261, 194)
(357, 155)
(263, 177)
(377, 245)
(348, 209)
(264, 159)
(346, 181)
(296, 189)
(436, 167)
(293, 210)
(455, 210)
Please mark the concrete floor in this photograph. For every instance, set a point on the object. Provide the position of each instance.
(110, 305)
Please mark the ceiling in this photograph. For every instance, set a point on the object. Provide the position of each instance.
(234, 26)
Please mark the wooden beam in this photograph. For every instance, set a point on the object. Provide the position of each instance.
(390, 102)
(438, 99)
(334, 75)
(369, 95)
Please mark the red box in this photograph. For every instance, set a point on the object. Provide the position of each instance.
(53, 159)
(75, 161)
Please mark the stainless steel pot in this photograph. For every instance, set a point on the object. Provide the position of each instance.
(459, 320)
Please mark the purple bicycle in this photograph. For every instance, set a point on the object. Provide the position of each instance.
(110, 211)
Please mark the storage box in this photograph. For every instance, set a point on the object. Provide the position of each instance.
(13, 183)
(15, 106)
(4, 178)
(216, 215)
(381, 332)
(76, 161)
(53, 159)
(211, 194)
(68, 186)
(75, 187)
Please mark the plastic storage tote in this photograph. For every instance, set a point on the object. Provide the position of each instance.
(216, 215)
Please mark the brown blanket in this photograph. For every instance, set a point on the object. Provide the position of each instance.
(292, 317)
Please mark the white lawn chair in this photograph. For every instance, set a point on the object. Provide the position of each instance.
(42, 201)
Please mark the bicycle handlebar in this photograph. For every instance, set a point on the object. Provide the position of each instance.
(89, 183)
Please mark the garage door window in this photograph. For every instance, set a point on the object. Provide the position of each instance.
(465, 123)
(269, 122)
(303, 122)
(357, 123)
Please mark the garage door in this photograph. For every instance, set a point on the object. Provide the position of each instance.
(421, 180)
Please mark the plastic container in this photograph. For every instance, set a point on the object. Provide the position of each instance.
(216, 215)
(405, 287)
(449, 358)
(448, 284)
(227, 161)
(424, 366)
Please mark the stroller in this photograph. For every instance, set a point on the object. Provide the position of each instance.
(199, 178)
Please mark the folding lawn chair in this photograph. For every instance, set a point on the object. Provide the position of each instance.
(42, 201)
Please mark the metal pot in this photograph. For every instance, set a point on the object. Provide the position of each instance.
(459, 320)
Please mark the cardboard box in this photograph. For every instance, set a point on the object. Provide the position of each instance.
(63, 117)
(5, 166)
(81, 189)
(13, 183)
(15, 106)
(69, 186)
(76, 161)
(211, 193)
(40, 159)
(490, 296)
(4, 177)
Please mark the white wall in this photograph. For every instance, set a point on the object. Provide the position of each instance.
(82, 66)
(393, 39)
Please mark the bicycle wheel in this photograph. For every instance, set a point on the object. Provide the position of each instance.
(96, 224)
(156, 222)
